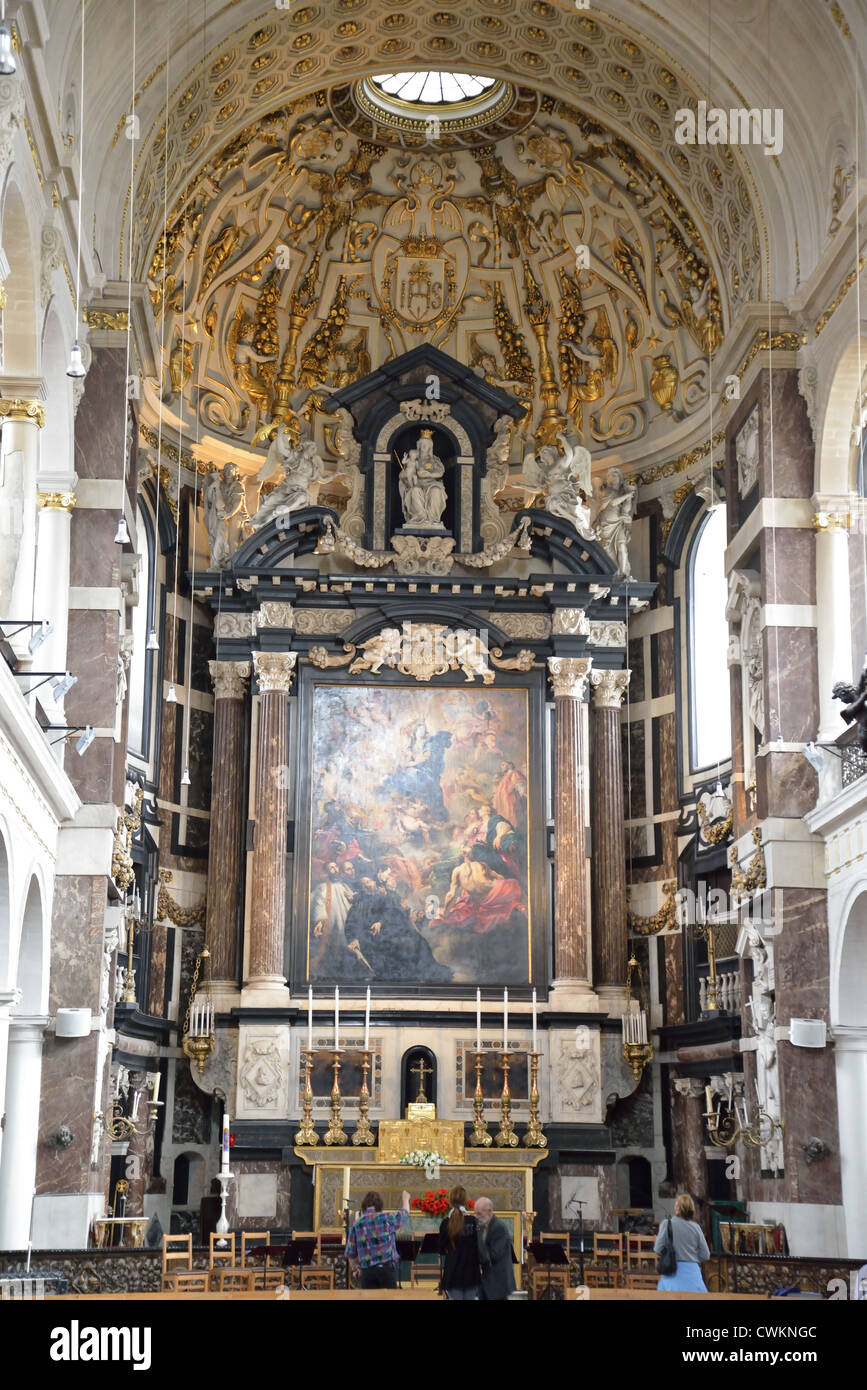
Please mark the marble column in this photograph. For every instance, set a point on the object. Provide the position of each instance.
(689, 1126)
(55, 503)
(266, 924)
(834, 629)
(18, 1167)
(22, 421)
(571, 945)
(608, 862)
(224, 850)
(9, 998)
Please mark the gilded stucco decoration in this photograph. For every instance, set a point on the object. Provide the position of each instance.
(315, 241)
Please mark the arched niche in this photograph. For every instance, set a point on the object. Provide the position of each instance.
(20, 314)
(850, 995)
(31, 974)
(410, 1077)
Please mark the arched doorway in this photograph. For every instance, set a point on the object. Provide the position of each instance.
(24, 1071)
(849, 1021)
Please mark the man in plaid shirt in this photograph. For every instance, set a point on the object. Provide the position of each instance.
(371, 1244)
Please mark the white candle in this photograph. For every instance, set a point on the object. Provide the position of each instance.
(310, 1018)
(156, 1093)
(535, 1048)
(135, 1096)
(224, 1157)
(367, 1021)
(505, 1020)
(336, 1020)
(478, 1020)
(29, 1253)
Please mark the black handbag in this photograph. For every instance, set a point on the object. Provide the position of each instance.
(666, 1260)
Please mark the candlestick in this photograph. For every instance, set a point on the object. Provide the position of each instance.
(481, 1138)
(478, 1020)
(534, 1138)
(335, 1133)
(363, 1134)
(155, 1096)
(307, 1135)
(310, 1019)
(224, 1156)
(505, 1020)
(505, 1136)
(535, 1042)
(708, 1095)
(367, 1021)
(336, 1019)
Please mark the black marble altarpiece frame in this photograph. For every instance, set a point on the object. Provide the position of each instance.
(406, 826)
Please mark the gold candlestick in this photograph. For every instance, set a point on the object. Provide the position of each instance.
(505, 1137)
(335, 1135)
(363, 1134)
(307, 1133)
(481, 1138)
(534, 1138)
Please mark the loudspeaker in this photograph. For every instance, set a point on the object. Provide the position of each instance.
(807, 1032)
(72, 1023)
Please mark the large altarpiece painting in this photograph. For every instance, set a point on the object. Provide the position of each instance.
(421, 868)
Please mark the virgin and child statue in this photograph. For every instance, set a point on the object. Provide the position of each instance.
(422, 494)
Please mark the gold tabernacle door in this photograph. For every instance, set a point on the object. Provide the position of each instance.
(399, 1137)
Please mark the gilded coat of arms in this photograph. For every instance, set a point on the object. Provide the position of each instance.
(420, 280)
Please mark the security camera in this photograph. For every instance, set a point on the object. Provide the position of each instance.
(40, 632)
(62, 686)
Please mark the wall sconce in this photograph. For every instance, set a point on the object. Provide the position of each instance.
(637, 1051)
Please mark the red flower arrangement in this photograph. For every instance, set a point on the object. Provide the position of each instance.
(435, 1203)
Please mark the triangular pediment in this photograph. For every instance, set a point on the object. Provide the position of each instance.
(408, 375)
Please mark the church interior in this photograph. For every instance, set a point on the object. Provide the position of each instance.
(433, 616)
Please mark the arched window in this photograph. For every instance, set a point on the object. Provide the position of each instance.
(141, 663)
(710, 708)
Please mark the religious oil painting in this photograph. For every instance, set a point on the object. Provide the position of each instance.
(419, 861)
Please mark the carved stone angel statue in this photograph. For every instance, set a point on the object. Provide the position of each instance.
(303, 468)
(422, 493)
(226, 518)
(566, 478)
(613, 525)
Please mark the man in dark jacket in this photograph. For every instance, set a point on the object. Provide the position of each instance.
(495, 1242)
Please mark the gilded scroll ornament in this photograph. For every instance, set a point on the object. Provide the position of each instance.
(19, 409)
(752, 878)
(168, 910)
(663, 920)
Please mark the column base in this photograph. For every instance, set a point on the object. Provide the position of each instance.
(265, 992)
(613, 999)
(225, 995)
(62, 1220)
(576, 996)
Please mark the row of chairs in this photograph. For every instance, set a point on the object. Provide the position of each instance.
(255, 1271)
(618, 1260)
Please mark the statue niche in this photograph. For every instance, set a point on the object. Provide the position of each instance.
(422, 482)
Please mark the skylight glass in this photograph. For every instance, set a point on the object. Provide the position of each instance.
(433, 88)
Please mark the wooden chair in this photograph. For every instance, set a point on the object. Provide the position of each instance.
(249, 1241)
(224, 1256)
(549, 1283)
(187, 1281)
(233, 1280)
(311, 1235)
(639, 1252)
(317, 1277)
(642, 1281)
(608, 1249)
(424, 1274)
(177, 1256)
(601, 1278)
(557, 1238)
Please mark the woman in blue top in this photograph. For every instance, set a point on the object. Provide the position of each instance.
(690, 1248)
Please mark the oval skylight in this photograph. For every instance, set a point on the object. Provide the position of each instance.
(433, 88)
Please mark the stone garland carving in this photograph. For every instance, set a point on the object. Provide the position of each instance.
(665, 919)
(744, 606)
(235, 625)
(747, 453)
(128, 824)
(438, 411)
(170, 910)
(571, 622)
(607, 634)
(714, 831)
(421, 554)
(754, 877)
(275, 615)
(326, 620)
(527, 627)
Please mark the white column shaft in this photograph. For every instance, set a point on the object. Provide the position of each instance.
(18, 524)
(834, 625)
(18, 1165)
(850, 1055)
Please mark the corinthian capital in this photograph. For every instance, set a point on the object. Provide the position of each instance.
(229, 678)
(609, 687)
(274, 670)
(568, 675)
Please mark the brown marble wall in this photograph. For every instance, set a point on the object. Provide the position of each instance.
(786, 785)
(788, 469)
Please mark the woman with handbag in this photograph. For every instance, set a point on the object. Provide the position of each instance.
(459, 1250)
(681, 1248)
